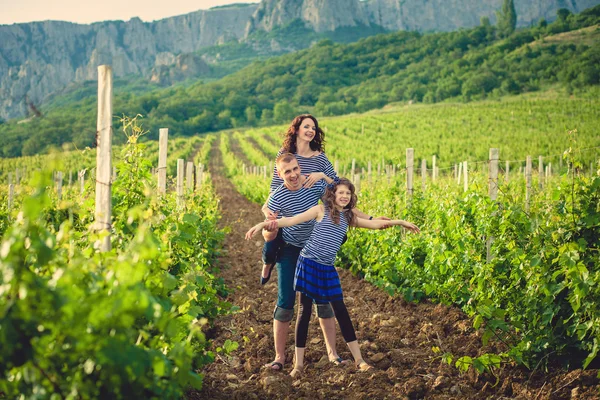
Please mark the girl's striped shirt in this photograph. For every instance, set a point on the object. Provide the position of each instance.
(326, 239)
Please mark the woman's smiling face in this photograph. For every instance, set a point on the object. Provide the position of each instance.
(307, 130)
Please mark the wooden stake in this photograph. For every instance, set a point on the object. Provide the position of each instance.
(163, 145)
(59, 182)
(423, 171)
(433, 169)
(541, 173)
(528, 183)
(81, 176)
(410, 158)
(493, 174)
(466, 176)
(11, 195)
(189, 176)
(104, 155)
(180, 169)
(199, 175)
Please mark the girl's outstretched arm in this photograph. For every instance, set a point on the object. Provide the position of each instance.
(311, 213)
(381, 224)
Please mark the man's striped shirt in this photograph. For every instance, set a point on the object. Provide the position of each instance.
(288, 203)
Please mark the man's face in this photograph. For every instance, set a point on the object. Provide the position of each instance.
(290, 173)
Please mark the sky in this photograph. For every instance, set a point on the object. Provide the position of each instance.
(85, 11)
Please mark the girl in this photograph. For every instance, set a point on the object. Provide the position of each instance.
(316, 278)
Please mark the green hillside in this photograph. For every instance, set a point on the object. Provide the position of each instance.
(336, 79)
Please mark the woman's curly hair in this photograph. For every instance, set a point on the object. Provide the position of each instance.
(289, 141)
(329, 201)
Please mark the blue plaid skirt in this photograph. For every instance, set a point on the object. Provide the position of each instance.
(318, 281)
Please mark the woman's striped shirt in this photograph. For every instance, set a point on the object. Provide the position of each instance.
(308, 165)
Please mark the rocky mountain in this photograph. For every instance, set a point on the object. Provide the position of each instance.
(39, 58)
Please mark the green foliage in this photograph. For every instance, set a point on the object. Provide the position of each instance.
(334, 79)
(77, 323)
(539, 292)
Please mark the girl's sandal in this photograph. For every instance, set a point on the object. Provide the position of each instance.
(297, 372)
(363, 366)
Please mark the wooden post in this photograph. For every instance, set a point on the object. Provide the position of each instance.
(70, 178)
(433, 171)
(352, 172)
(11, 195)
(410, 156)
(528, 183)
(264, 172)
(506, 173)
(541, 172)
(163, 143)
(493, 191)
(493, 174)
(104, 154)
(180, 172)
(59, 182)
(81, 176)
(336, 167)
(189, 176)
(466, 177)
(199, 175)
(424, 171)
(389, 174)
(459, 177)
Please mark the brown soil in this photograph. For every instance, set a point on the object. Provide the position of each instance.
(396, 338)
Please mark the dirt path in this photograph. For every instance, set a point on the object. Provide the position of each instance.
(395, 336)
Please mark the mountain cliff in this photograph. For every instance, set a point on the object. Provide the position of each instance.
(39, 58)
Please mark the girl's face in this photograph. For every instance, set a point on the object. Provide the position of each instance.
(307, 130)
(343, 195)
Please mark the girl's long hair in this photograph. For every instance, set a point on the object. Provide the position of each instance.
(289, 141)
(329, 201)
